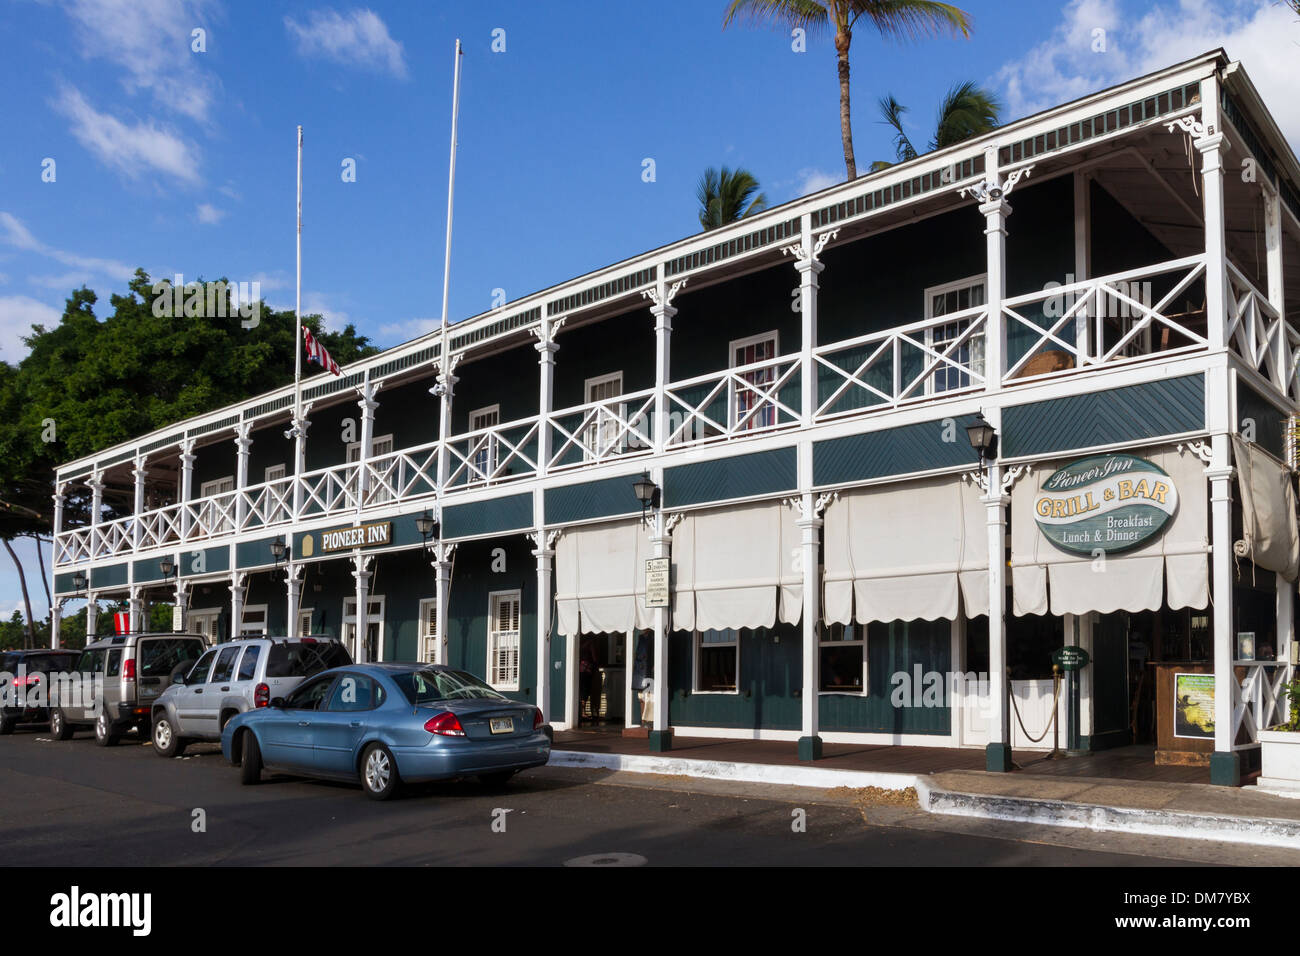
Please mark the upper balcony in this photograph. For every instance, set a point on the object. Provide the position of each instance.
(1106, 267)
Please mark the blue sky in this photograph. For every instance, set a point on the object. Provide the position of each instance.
(183, 162)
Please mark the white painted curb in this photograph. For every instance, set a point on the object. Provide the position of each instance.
(743, 772)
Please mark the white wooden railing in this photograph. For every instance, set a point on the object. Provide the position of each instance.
(1255, 331)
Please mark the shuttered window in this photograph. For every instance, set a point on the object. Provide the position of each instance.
(429, 630)
(503, 640)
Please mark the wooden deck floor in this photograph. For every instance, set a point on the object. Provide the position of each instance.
(1126, 763)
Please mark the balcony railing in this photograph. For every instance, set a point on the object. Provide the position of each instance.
(1157, 311)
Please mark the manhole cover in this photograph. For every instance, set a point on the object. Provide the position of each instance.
(607, 859)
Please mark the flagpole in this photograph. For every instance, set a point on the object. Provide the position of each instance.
(451, 195)
(297, 308)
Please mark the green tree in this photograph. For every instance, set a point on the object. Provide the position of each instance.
(967, 110)
(893, 19)
(728, 196)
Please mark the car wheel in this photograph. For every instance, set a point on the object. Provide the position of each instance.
(60, 729)
(497, 779)
(165, 741)
(7, 725)
(104, 735)
(250, 768)
(379, 777)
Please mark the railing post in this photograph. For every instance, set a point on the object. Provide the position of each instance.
(809, 267)
(243, 443)
(59, 498)
(367, 404)
(298, 431)
(546, 348)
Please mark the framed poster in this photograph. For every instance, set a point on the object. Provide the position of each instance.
(1194, 706)
(1245, 645)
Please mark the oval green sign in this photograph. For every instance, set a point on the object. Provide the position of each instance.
(1107, 503)
(1070, 657)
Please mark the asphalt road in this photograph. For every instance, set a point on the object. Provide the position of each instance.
(75, 804)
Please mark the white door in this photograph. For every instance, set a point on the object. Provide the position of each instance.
(374, 647)
(484, 447)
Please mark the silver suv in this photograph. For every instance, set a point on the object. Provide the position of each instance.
(115, 682)
(240, 675)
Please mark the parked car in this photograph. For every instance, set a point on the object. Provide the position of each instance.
(385, 724)
(133, 671)
(26, 700)
(231, 678)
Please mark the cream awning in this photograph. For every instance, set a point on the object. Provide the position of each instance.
(906, 551)
(1268, 511)
(737, 567)
(600, 579)
(1174, 562)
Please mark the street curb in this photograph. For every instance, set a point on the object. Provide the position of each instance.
(1257, 831)
(741, 772)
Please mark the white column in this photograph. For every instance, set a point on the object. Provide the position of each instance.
(238, 590)
(96, 486)
(1212, 145)
(995, 213)
(361, 573)
(545, 564)
(546, 349)
(446, 391)
(661, 737)
(661, 297)
(293, 585)
(298, 432)
(243, 443)
(1224, 765)
(367, 404)
(998, 753)
(809, 268)
(187, 485)
(92, 617)
(139, 473)
(182, 601)
(56, 619)
(810, 525)
(135, 605)
(59, 500)
(1082, 252)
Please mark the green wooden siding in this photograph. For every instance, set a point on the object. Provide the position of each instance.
(592, 499)
(1077, 422)
(148, 570)
(1258, 415)
(896, 648)
(742, 476)
(205, 561)
(941, 443)
(254, 554)
(114, 575)
(63, 584)
(514, 513)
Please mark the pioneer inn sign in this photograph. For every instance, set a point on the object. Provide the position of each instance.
(1035, 396)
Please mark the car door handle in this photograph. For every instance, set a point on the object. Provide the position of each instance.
(198, 690)
(304, 723)
(225, 688)
(355, 723)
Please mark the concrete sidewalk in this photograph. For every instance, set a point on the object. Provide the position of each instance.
(1149, 807)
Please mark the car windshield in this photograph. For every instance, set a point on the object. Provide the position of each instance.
(427, 686)
(304, 658)
(161, 656)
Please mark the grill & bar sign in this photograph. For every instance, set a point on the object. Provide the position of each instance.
(1107, 503)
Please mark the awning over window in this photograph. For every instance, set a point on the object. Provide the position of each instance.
(600, 579)
(905, 551)
(1268, 511)
(1173, 561)
(737, 567)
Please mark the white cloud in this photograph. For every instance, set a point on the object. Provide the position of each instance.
(359, 38)
(815, 180)
(209, 214)
(395, 333)
(17, 315)
(151, 41)
(63, 281)
(129, 148)
(14, 233)
(1262, 34)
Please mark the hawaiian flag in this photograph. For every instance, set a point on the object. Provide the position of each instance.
(318, 353)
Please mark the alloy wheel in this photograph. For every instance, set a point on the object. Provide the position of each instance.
(378, 770)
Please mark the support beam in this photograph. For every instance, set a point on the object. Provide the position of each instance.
(545, 557)
(810, 527)
(361, 574)
(135, 606)
(182, 602)
(140, 472)
(92, 617)
(187, 458)
(293, 588)
(661, 737)
(367, 404)
(661, 297)
(238, 590)
(243, 444)
(998, 752)
(298, 432)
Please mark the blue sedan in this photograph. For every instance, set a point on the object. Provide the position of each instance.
(386, 724)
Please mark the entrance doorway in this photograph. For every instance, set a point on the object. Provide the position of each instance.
(602, 680)
(374, 645)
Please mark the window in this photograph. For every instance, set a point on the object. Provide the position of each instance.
(204, 623)
(303, 658)
(199, 672)
(161, 656)
(429, 630)
(304, 621)
(355, 692)
(843, 663)
(275, 473)
(484, 448)
(217, 516)
(379, 446)
(503, 640)
(225, 666)
(311, 695)
(254, 620)
(426, 687)
(114, 666)
(602, 437)
(374, 628)
(717, 661)
(947, 300)
(750, 410)
(248, 663)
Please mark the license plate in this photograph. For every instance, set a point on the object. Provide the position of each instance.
(502, 725)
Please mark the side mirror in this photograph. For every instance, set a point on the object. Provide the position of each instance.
(277, 702)
(178, 677)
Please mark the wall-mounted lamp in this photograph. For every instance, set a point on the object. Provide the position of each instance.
(279, 550)
(982, 438)
(647, 492)
(167, 566)
(428, 527)
(79, 581)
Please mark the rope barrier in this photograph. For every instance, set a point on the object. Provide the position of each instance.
(1056, 697)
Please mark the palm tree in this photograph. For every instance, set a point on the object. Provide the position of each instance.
(903, 19)
(728, 196)
(967, 111)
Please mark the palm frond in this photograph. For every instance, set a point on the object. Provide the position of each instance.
(911, 19)
(809, 14)
(726, 196)
(893, 111)
(967, 110)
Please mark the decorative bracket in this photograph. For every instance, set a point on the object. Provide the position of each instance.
(1192, 126)
(1198, 448)
(551, 537)
(653, 294)
(819, 243)
(545, 330)
(1011, 475)
(442, 551)
(819, 504)
(990, 190)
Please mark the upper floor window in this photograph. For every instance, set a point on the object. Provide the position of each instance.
(380, 445)
(952, 299)
(602, 437)
(219, 515)
(484, 447)
(750, 408)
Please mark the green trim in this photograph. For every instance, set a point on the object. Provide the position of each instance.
(205, 561)
(148, 570)
(1269, 421)
(497, 516)
(607, 498)
(115, 575)
(745, 476)
(925, 446)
